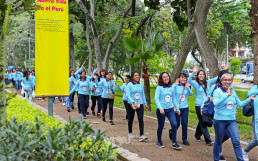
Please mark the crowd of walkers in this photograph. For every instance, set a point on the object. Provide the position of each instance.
(171, 100)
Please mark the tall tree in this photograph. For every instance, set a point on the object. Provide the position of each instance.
(90, 16)
(196, 12)
(254, 16)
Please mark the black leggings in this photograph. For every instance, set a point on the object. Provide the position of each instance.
(105, 102)
(94, 101)
(140, 113)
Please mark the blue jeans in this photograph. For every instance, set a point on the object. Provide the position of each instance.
(184, 121)
(68, 103)
(84, 103)
(19, 85)
(72, 98)
(170, 114)
(14, 83)
(220, 127)
(254, 142)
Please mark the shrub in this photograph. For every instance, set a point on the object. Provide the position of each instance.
(32, 135)
(234, 67)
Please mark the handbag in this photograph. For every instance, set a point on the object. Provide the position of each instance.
(207, 119)
(110, 96)
(248, 110)
(208, 107)
(136, 105)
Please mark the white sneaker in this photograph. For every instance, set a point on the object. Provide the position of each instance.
(143, 138)
(63, 104)
(130, 136)
(245, 155)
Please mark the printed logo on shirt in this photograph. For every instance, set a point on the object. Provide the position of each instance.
(97, 90)
(167, 98)
(84, 88)
(137, 96)
(182, 98)
(108, 91)
(230, 105)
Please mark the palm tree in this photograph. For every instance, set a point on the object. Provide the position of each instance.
(144, 50)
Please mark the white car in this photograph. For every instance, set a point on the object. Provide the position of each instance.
(249, 77)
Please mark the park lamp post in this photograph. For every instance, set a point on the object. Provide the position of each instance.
(29, 49)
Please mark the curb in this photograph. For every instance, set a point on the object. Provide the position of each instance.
(123, 154)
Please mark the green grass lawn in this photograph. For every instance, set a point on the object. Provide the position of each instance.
(244, 123)
(242, 88)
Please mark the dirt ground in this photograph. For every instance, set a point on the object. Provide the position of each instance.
(197, 151)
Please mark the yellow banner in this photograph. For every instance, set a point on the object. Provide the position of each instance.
(52, 48)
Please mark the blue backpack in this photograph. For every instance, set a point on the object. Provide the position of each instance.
(208, 108)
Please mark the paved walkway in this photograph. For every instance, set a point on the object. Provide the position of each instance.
(197, 151)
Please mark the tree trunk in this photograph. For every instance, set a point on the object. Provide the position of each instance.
(182, 55)
(254, 16)
(116, 36)
(256, 59)
(89, 46)
(204, 64)
(146, 78)
(194, 56)
(201, 11)
(90, 17)
(3, 32)
(71, 51)
(2, 78)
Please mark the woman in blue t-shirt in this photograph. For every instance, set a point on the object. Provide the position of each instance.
(225, 101)
(182, 90)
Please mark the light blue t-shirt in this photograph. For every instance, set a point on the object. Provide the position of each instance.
(179, 95)
(123, 89)
(28, 83)
(164, 97)
(135, 93)
(199, 89)
(83, 87)
(98, 89)
(225, 106)
(72, 82)
(106, 87)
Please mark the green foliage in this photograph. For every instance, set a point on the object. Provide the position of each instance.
(144, 49)
(27, 137)
(160, 63)
(235, 66)
(180, 12)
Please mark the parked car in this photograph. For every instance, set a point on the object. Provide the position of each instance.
(249, 77)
